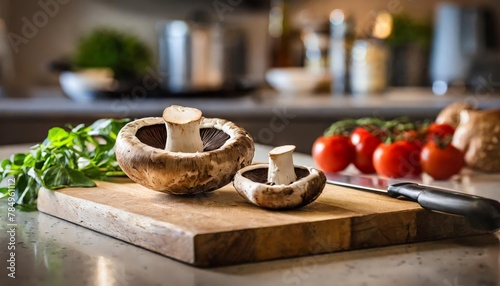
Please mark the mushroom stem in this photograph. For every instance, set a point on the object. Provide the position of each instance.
(183, 129)
(281, 169)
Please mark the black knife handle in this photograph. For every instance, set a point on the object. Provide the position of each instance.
(482, 213)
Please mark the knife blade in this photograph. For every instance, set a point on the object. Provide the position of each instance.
(482, 213)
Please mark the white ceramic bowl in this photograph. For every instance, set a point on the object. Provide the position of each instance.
(85, 85)
(297, 80)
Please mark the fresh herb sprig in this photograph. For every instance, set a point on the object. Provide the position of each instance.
(388, 130)
(71, 157)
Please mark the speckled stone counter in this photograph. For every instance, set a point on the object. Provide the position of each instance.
(50, 251)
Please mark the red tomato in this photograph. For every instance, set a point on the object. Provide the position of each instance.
(359, 134)
(410, 135)
(441, 163)
(365, 144)
(415, 148)
(333, 153)
(439, 131)
(399, 159)
(414, 138)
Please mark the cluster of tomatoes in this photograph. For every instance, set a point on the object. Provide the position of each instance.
(397, 148)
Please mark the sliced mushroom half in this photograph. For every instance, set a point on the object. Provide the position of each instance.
(183, 153)
(279, 184)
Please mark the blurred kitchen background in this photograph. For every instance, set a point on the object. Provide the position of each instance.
(283, 69)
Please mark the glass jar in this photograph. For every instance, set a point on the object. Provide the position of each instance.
(369, 63)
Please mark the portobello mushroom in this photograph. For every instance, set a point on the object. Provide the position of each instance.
(280, 184)
(183, 153)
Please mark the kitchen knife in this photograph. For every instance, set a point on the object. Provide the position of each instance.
(482, 213)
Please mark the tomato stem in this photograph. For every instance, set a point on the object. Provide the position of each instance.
(345, 127)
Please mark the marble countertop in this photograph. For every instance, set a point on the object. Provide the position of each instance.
(50, 251)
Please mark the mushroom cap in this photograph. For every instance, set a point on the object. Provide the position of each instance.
(451, 113)
(478, 136)
(140, 153)
(251, 183)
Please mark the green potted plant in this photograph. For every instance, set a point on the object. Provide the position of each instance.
(410, 45)
(107, 62)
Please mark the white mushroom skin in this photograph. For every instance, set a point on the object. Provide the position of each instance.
(478, 136)
(281, 170)
(183, 173)
(183, 129)
(451, 113)
(279, 197)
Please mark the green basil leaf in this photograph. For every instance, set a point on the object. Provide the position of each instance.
(17, 159)
(4, 167)
(57, 134)
(21, 188)
(61, 176)
(36, 175)
(84, 163)
(108, 127)
(94, 173)
(4, 163)
(59, 137)
(29, 160)
(78, 128)
(4, 191)
(30, 194)
(66, 158)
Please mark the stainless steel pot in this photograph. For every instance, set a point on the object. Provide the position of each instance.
(465, 44)
(199, 56)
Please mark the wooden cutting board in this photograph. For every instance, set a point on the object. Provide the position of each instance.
(221, 228)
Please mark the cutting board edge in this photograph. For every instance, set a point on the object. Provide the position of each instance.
(419, 234)
(213, 266)
(49, 206)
